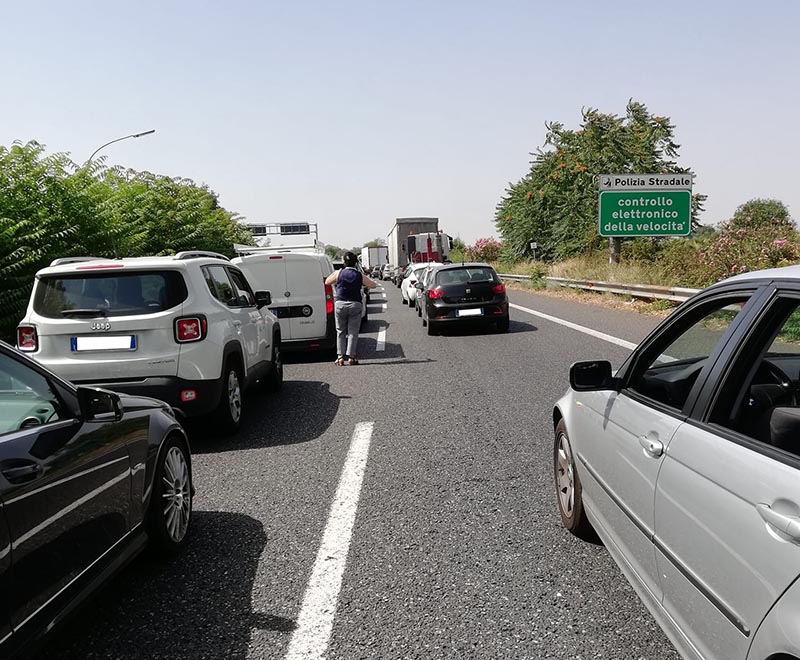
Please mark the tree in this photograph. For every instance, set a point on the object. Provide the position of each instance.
(555, 203)
(375, 242)
(334, 251)
(50, 207)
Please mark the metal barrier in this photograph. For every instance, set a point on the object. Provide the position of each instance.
(651, 292)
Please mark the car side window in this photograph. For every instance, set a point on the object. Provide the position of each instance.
(243, 293)
(760, 397)
(219, 284)
(26, 398)
(667, 368)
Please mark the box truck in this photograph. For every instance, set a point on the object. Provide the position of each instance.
(374, 256)
(397, 241)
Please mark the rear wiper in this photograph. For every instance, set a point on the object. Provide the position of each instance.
(83, 312)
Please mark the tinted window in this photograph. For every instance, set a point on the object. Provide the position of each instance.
(243, 291)
(669, 367)
(25, 397)
(116, 294)
(219, 284)
(467, 275)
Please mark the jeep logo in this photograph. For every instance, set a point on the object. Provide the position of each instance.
(101, 325)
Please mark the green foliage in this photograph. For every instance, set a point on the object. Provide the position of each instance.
(555, 203)
(50, 207)
(375, 242)
(334, 251)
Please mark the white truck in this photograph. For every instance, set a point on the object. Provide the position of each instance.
(374, 256)
(397, 240)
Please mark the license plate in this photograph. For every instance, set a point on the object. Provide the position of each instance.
(105, 343)
(470, 312)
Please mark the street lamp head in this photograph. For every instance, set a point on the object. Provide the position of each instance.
(136, 135)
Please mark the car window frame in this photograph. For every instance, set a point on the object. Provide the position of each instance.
(735, 351)
(643, 352)
(248, 289)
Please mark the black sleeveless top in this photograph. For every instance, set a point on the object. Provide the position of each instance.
(348, 285)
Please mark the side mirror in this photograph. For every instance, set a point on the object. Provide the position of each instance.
(591, 376)
(98, 405)
(263, 299)
(418, 285)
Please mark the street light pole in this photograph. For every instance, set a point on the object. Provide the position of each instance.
(133, 135)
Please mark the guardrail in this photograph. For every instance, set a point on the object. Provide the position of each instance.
(648, 291)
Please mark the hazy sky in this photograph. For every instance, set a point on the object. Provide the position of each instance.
(350, 114)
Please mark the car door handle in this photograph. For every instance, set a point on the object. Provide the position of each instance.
(652, 446)
(22, 473)
(788, 525)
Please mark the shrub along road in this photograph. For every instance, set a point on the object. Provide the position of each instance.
(456, 548)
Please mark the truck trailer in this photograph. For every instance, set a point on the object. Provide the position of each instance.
(397, 240)
(374, 256)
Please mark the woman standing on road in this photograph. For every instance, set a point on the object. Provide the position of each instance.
(348, 282)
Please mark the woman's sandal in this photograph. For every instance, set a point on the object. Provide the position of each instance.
(352, 361)
(339, 361)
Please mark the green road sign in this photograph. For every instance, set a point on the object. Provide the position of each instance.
(645, 213)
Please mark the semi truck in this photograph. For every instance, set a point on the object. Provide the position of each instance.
(374, 256)
(397, 240)
(429, 246)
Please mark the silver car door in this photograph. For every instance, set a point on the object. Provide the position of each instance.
(728, 496)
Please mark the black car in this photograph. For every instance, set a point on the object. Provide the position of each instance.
(87, 477)
(463, 293)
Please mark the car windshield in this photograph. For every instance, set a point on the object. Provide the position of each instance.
(466, 275)
(105, 294)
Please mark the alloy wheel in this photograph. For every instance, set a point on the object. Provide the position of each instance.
(234, 396)
(565, 476)
(176, 494)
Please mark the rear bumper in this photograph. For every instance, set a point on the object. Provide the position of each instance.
(444, 313)
(168, 389)
(326, 343)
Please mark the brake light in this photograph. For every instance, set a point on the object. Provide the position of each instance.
(328, 298)
(27, 339)
(499, 288)
(100, 267)
(189, 329)
(435, 294)
(276, 256)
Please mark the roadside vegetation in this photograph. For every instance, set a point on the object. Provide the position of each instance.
(52, 207)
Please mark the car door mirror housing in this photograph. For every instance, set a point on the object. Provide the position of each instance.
(98, 405)
(592, 376)
(263, 299)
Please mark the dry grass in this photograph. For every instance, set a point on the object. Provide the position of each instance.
(596, 267)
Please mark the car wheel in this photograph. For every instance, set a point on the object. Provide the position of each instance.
(432, 328)
(568, 487)
(274, 380)
(503, 324)
(229, 411)
(171, 500)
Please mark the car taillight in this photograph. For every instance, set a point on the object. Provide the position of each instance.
(27, 339)
(190, 328)
(329, 299)
(499, 288)
(435, 294)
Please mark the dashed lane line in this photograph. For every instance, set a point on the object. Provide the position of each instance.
(315, 622)
(380, 344)
(575, 326)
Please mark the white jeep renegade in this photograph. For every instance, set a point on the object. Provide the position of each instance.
(186, 329)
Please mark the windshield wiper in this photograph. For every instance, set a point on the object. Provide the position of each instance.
(84, 312)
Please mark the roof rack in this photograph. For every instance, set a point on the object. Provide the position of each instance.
(72, 260)
(198, 254)
(316, 246)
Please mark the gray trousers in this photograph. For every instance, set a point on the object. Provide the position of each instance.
(348, 321)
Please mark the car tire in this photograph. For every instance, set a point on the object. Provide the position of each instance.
(568, 487)
(170, 512)
(274, 381)
(503, 324)
(433, 328)
(229, 410)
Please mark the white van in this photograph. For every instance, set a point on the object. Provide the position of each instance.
(300, 298)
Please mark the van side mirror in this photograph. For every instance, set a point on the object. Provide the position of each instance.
(263, 299)
(98, 405)
(592, 376)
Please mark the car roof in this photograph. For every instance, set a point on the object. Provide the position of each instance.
(80, 265)
(467, 264)
(784, 273)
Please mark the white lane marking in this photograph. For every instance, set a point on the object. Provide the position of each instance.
(579, 328)
(384, 306)
(315, 622)
(381, 342)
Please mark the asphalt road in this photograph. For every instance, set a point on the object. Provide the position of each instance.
(456, 549)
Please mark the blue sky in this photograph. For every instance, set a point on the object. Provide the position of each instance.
(351, 114)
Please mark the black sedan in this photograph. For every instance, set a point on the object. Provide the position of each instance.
(463, 293)
(87, 477)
